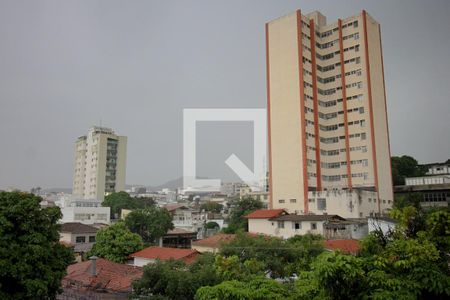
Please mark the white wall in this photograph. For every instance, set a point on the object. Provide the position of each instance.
(92, 215)
(140, 261)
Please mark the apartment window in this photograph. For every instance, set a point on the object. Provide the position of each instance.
(293, 200)
(92, 239)
(296, 225)
(363, 123)
(321, 204)
(363, 149)
(313, 226)
(356, 36)
(363, 136)
(80, 239)
(361, 110)
(281, 201)
(280, 224)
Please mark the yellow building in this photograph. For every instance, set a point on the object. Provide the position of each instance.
(100, 163)
(327, 119)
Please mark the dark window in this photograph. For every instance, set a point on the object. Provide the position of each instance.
(313, 226)
(92, 239)
(80, 239)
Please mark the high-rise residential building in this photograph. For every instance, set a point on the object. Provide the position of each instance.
(100, 163)
(327, 119)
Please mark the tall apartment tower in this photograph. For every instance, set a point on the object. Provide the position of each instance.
(100, 163)
(328, 127)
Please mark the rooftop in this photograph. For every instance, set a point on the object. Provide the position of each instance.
(165, 253)
(301, 218)
(172, 207)
(265, 213)
(347, 246)
(110, 276)
(215, 241)
(76, 228)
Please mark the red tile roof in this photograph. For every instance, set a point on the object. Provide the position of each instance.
(76, 228)
(172, 207)
(165, 253)
(214, 241)
(265, 213)
(347, 246)
(111, 276)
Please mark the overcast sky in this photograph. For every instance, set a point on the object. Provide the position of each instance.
(134, 65)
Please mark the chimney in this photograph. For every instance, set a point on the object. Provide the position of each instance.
(93, 260)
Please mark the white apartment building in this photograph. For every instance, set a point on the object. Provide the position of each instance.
(100, 163)
(86, 211)
(327, 119)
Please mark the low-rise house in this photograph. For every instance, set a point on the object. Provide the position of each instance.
(259, 219)
(185, 217)
(79, 236)
(213, 243)
(86, 211)
(278, 223)
(75, 233)
(99, 279)
(178, 238)
(351, 228)
(152, 254)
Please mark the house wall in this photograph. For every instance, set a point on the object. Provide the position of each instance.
(86, 215)
(72, 238)
(384, 225)
(203, 249)
(140, 261)
(266, 226)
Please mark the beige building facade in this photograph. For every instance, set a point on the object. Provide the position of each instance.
(100, 164)
(327, 118)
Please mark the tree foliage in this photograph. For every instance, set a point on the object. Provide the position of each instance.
(150, 223)
(32, 261)
(212, 206)
(116, 243)
(175, 280)
(280, 258)
(410, 263)
(123, 200)
(405, 166)
(259, 288)
(240, 208)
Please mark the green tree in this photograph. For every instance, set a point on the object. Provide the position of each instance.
(281, 258)
(116, 243)
(175, 280)
(212, 206)
(240, 208)
(256, 289)
(405, 166)
(123, 200)
(150, 223)
(32, 261)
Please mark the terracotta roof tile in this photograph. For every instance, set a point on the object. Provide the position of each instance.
(112, 277)
(265, 213)
(347, 246)
(165, 253)
(75, 227)
(215, 241)
(172, 207)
